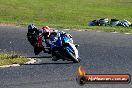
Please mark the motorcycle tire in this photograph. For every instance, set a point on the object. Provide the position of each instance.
(72, 56)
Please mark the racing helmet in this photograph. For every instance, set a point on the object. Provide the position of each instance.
(46, 30)
(31, 28)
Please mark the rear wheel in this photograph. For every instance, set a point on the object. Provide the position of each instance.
(54, 58)
(55, 54)
(37, 50)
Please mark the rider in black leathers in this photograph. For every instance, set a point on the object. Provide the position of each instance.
(32, 35)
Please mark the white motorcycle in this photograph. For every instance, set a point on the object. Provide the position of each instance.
(65, 49)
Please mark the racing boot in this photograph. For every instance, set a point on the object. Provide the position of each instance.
(76, 45)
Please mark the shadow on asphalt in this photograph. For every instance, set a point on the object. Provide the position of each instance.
(52, 63)
(39, 57)
(48, 63)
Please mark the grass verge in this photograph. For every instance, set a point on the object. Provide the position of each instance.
(6, 59)
(112, 29)
(65, 13)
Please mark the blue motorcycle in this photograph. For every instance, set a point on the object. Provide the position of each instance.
(63, 48)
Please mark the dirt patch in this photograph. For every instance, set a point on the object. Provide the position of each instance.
(2, 24)
(89, 30)
(31, 61)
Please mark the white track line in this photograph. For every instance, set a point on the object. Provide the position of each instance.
(6, 66)
(127, 33)
(100, 31)
(31, 61)
(66, 29)
(115, 32)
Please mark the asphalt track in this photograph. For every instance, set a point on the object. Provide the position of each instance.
(101, 53)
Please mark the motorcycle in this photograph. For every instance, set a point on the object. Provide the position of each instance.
(64, 48)
(34, 42)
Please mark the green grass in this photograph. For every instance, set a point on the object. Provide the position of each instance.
(6, 59)
(64, 13)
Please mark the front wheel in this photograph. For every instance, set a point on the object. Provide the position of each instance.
(72, 57)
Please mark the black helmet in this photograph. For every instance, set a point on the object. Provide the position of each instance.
(31, 28)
